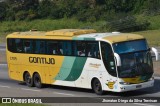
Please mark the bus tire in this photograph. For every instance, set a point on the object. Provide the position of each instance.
(37, 80)
(28, 79)
(96, 86)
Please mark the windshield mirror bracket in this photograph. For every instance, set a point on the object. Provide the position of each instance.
(155, 51)
(118, 59)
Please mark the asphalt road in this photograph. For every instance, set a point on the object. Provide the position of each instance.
(11, 88)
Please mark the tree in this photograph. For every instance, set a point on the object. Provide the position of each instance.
(46, 9)
(2, 10)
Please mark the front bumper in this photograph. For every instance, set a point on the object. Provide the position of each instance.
(131, 87)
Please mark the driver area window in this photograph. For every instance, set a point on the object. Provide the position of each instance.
(108, 58)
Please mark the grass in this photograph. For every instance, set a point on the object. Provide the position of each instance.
(45, 24)
(153, 20)
(153, 36)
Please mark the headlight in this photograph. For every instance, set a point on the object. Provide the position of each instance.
(152, 78)
(124, 83)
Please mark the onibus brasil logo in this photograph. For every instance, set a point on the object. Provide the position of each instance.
(21, 100)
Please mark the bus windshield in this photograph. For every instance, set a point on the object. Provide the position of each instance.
(135, 58)
(130, 46)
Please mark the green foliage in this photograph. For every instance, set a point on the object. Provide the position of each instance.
(128, 24)
(83, 10)
(42, 25)
(2, 10)
(21, 15)
(114, 12)
(147, 7)
(46, 9)
(31, 15)
(153, 20)
(152, 36)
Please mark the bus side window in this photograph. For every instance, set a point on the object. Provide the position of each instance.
(50, 49)
(19, 45)
(74, 48)
(108, 58)
(92, 49)
(57, 48)
(27, 46)
(39, 47)
(42, 47)
(54, 47)
(60, 50)
(11, 45)
(67, 48)
(81, 46)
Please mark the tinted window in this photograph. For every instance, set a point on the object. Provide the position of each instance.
(55, 47)
(11, 45)
(92, 49)
(130, 46)
(28, 46)
(108, 58)
(39, 47)
(67, 48)
(19, 46)
(80, 48)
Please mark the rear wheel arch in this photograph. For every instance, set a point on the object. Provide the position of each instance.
(35, 73)
(37, 79)
(24, 75)
(27, 78)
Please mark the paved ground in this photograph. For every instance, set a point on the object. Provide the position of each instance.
(11, 88)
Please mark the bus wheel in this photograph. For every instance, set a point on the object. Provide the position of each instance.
(96, 86)
(28, 80)
(37, 80)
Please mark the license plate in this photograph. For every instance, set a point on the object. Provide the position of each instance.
(138, 86)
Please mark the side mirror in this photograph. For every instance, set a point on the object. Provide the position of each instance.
(155, 51)
(118, 59)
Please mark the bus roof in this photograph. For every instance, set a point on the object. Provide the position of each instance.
(69, 32)
(77, 34)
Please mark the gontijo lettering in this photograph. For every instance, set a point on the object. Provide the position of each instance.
(42, 60)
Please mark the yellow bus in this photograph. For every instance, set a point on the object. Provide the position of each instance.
(81, 58)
